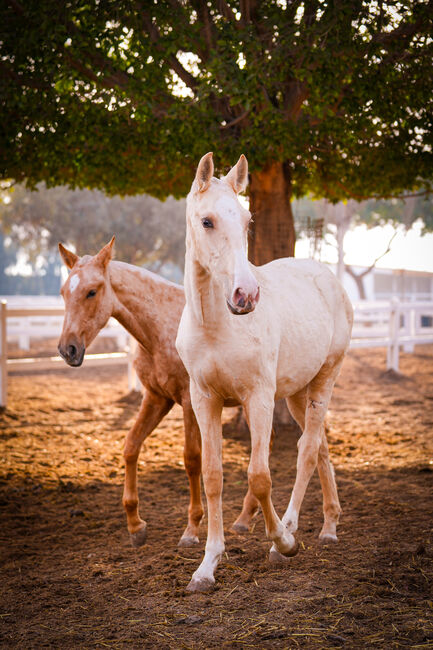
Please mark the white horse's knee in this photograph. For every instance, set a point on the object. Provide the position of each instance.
(213, 483)
(260, 483)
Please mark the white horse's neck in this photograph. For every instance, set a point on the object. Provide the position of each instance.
(144, 302)
(204, 296)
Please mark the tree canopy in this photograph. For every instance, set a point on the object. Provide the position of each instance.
(127, 96)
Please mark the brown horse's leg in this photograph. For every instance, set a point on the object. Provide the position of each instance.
(192, 458)
(251, 504)
(152, 410)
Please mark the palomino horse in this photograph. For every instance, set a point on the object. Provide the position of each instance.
(149, 307)
(253, 335)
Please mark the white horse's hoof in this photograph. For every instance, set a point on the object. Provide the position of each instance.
(139, 537)
(328, 539)
(200, 585)
(240, 528)
(187, 541)
(275, 557)
(286, 547)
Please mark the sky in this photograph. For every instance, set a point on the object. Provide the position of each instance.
(408, 251)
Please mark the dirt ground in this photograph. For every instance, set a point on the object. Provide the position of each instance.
(70, 579)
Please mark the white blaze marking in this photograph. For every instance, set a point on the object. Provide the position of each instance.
(75, 281)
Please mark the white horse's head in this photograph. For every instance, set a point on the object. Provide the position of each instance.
(217, 227)
(88, 300)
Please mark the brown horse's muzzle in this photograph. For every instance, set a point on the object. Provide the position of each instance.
(72, 353)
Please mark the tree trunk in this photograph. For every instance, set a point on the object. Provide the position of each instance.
(359, 280)
(272, 233)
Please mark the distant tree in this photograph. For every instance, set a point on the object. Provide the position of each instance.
(147, 231)
(345, 215)
(326, 98)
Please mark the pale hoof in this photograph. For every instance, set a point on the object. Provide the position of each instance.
(291, 551)
(240, 528)
(200, 585)
(275, 557)
(185, 542)
(139, 537)
(328, 539)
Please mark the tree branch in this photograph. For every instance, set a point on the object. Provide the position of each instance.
(236, 120)
(227, 12)
(171, 60)
(368, 270)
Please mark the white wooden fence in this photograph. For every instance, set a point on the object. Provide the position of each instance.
(394, 325)
(390, 325)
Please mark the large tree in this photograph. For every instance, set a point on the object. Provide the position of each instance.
(330, 98)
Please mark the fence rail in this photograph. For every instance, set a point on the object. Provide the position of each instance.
(388, 324)
(393, 325)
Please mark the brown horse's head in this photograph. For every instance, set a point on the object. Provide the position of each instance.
(88, 301)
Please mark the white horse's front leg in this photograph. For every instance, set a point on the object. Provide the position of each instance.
(259, 414)
(208, 414)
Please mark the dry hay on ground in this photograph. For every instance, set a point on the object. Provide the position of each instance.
(70, 578)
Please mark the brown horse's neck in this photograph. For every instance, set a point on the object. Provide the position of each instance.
(144, 303)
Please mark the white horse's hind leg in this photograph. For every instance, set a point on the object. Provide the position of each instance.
(259, 418)
(318, 395)
(331, 503)
(297, 405)
(208, 414)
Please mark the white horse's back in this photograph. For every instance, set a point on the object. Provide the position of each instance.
(302, 297)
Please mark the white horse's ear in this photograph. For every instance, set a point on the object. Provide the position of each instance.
(204, 172)
(106, 253)
(238, 175)
(69, 258)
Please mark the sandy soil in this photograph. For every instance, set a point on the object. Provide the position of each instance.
(70, 579)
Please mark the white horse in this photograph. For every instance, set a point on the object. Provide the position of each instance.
(289, 342)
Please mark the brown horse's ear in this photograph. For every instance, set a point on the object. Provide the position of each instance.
(69, 258)
(204, 172)
(238, 175)
(105, 254)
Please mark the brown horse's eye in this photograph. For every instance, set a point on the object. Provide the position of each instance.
(91, 293)
(207, 223)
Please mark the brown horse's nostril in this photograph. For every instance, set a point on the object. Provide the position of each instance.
(72, 351)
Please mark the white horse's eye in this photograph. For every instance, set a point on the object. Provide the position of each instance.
(207, 223)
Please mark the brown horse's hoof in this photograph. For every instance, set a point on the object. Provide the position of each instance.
(328, 539)
(185, 542)
(240, 529)
(200, 586)
(139, 537)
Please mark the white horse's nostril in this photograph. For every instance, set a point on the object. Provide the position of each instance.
(239, 298)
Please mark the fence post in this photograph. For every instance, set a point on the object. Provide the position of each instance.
(394, 331)
(411, 329)
(3, 355)
(133, 381)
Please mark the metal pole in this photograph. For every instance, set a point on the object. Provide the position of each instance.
(3, 355)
